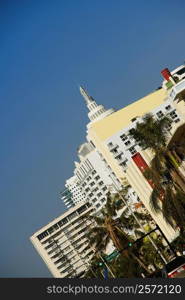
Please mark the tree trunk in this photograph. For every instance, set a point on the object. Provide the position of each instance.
(140, 262)
(177, 179)
(176, 166)
(113, 237)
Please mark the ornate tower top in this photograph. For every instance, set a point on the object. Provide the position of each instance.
(96, 112)
(88, 99)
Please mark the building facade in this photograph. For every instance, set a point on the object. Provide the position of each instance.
(124, 156)
(72, 194)
(62, 243)
(109, 158)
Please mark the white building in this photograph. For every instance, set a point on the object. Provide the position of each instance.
(72, 193)
(176, 75)
(93, 176)
(62, 243)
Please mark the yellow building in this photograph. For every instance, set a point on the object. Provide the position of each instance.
(105, 135)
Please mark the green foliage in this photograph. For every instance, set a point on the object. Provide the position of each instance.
(168, 182)
(151, 133)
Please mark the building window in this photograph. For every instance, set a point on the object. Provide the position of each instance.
(99, 194)
(132, 150)
(73, 215)
(160, 114)
(127, 143)
(42, 235)
(97, 177)
(93, 172)
(168, 107)
(104, 188)
(92, 183)
(110, 144)
(87, 189)
(56, 226)
(173, 115)
(124, 163)
(82, 209)
(94, 200)
(101, 183)
(51, 230)
(115, 150)
(98, 205)
(123, 137)
(91, 194)
(103, 200)
(177, 120)
(88, 178)
(119, 157)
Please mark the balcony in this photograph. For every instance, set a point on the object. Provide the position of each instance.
(178, 91)
(123, 165)
(117, 154)
(112, 147)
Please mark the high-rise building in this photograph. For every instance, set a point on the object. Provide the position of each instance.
(62, 243)
(110, 136)
(108, 159)
(72, 194)
(95, 177)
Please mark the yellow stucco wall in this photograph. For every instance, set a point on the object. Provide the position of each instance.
(121, 118)
(105, 128)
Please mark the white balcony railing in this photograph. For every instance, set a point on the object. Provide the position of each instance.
(177, 89)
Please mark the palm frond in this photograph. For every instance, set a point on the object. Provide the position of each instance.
(154, 200)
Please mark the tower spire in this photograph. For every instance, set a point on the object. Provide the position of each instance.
(88, 99)
(96, 112)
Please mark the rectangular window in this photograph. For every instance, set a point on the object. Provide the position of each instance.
(42, 235)
(127, 143)
(177, 120)
(132, 150)
(123, 137)
(110, 144)
(160, 114)
(51, 230)
(73, 215)
(168, 107)
(119, 157)
(173, 115)
(115, 151)
(82, 209)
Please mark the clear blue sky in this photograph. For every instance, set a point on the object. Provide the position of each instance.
(116, 49)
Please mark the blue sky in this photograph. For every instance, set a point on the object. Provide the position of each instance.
(116, 49)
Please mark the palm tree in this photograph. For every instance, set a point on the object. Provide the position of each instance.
(172, 205)
(167, 180)
(94, 271)
(153, 134)
(125, 267)
(108, 229)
